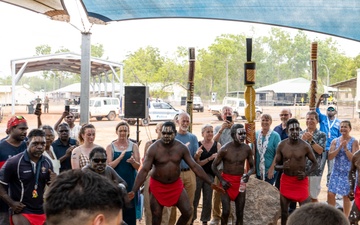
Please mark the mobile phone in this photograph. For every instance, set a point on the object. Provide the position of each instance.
(67, 108)
(229, 118)
(325, 95)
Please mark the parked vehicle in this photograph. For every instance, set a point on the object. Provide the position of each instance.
(238, 106)
(158, 112)
(100, 107)
(197, 104)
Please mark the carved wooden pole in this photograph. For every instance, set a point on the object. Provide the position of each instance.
(190, 89)
(249, 81)
(313, 84)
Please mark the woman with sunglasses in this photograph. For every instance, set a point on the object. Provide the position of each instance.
(98, 165)
(80, 155)
(342, 150)
(123, 155)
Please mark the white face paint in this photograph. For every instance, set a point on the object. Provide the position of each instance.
(294, 131)
(167, 134)
(241, 134)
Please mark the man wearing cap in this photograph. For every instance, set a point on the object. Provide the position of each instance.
(330, 125)
(25, 175)
(12, 145)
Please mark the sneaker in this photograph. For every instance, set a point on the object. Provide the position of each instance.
(215, 221)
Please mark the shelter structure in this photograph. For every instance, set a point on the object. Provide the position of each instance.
(333, 17)
(70, 62)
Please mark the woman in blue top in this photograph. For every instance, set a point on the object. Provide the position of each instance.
(123, 155)
(266, 143)
(342, 150)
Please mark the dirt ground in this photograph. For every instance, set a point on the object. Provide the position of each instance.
(105, 130)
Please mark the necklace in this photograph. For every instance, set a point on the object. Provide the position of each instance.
(262, 146)
(122, 146)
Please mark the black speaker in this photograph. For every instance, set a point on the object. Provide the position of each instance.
(136, 102)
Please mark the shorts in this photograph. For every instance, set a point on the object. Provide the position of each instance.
(314, 186)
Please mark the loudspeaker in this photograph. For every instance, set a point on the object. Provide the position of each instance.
(136, 102)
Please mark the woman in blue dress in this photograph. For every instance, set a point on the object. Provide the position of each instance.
(123, 155)
(342, 150)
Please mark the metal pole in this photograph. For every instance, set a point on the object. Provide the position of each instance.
(328, 76)
(85, 78)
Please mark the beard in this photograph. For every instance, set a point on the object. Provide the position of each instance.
(184, 128)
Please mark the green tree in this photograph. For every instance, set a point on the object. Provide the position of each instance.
(97, 50)
(143, 65)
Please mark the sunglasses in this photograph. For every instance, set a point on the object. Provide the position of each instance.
(242, 133)
(99, 160)
(20, 117)
(284, 114)
(167, 133)
(63, 131)
(331, 109)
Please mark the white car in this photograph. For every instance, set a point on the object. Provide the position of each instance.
(197, 104)
(158, 112)
(100, 107)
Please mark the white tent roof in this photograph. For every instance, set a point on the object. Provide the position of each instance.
(76, 87)
(297, 85)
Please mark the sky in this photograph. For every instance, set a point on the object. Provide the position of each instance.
(21, 31)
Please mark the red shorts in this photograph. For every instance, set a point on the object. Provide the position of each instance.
(234, 180)
(357, 196)
(166, 194)
(294, 189)
(34, 219)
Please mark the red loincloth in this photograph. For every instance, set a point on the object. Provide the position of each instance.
(357, 196)
(234, 180)
(294, 189)
(34, 219)
(166, 194)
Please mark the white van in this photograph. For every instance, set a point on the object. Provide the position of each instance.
(100, 107)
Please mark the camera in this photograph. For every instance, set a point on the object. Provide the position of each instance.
(229, 118)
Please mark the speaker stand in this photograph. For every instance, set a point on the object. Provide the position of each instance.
(137, 132)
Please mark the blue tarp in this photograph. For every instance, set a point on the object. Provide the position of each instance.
(333, 17)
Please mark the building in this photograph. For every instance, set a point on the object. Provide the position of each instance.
(23, 95)
(287, 92)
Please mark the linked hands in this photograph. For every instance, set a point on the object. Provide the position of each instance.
(131, 195)
(217, 188)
